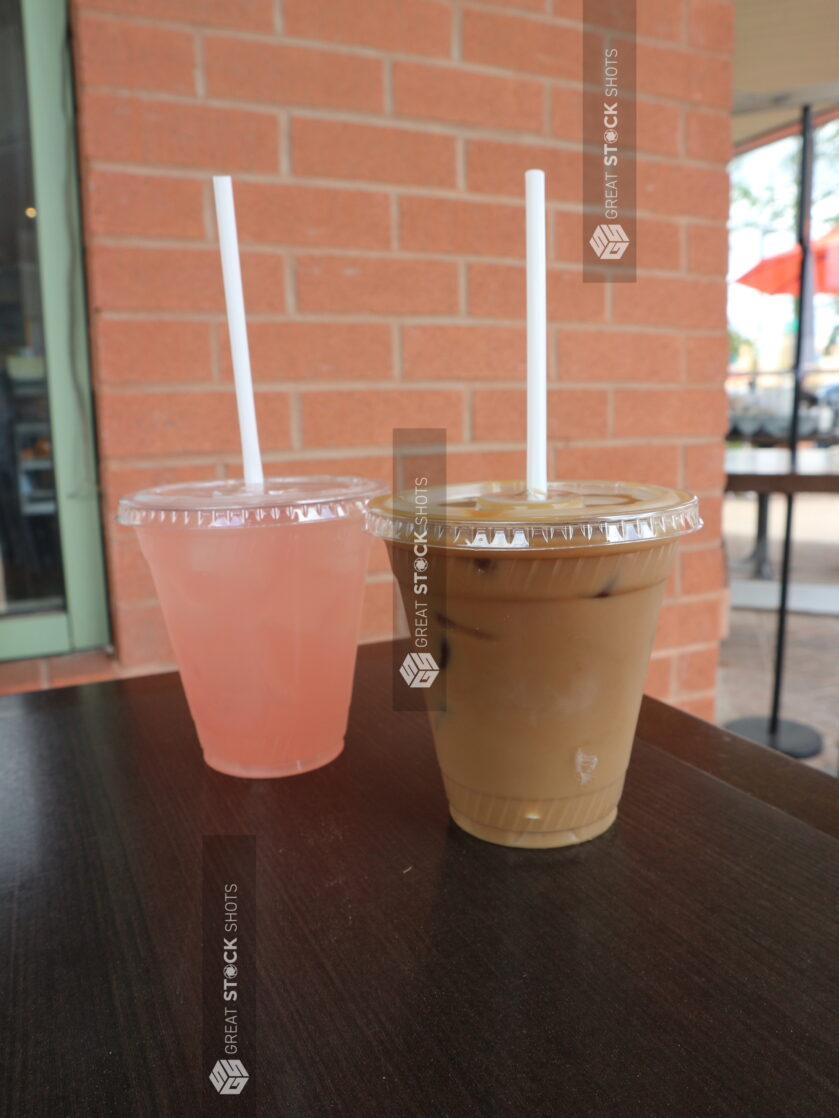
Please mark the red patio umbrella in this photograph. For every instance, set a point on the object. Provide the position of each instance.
(781, 274)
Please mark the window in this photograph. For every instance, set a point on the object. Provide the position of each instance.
(763, 310)
(52, 585)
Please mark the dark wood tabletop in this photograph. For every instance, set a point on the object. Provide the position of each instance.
(684, 964)
(768, 470)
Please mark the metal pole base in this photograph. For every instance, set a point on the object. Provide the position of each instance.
(793, 738)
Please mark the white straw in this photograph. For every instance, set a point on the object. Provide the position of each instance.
(537, 346)
(235, 300)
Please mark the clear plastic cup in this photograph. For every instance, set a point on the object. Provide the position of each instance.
(261, 590)
(541, 620)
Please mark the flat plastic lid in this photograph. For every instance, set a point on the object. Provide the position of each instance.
(501, 515)
(210, 504)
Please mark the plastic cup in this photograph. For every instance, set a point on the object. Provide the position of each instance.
(261, 590)
(541, 621)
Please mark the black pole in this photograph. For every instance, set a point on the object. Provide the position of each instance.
(805, 286)
(792, 738)
(805, 304)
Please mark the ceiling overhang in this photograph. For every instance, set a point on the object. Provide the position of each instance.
(786, 55)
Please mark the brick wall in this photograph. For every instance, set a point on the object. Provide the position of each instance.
(378, 149)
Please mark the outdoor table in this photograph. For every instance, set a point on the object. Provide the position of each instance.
(682, 964)
(767, 470)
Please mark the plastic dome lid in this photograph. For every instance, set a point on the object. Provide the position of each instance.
(208, 504)
(502, 515)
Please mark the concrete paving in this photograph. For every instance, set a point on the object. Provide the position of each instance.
(811, 676)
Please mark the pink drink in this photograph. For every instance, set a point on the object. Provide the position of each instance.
(262, 601)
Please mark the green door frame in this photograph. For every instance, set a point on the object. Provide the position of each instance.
(84, 621)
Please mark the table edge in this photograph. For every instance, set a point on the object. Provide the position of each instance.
(805, 793)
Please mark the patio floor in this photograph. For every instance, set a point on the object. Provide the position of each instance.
(811, 677)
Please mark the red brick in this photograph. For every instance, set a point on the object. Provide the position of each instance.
(368, 418)
(704, 466)
(708, 136)
(566, 238)
(698, 79)
(659, 675)
(525, 5)
(499, 414)
(657, 465)
(494, 168)
(280, 74)
(498, 291)
(567, 114)
(706, 359)
(708, 250)
(703, 707)
(456, 95)
(658, 127)
(605, 13)
(20, 675)
(129, 577)
(688, 622)
(711, 25)
(243, 15)
(528, 45)
(659, 244)
(335, 149)
(137, 351)
(710, 509)
(141, 637)
(178, 279)
(672, 188)
(457, 353)
(702, 571)
(646, 358)
(119, 480)
(404, 26)
(569, 299)
(659, 19)
(144, 205)
(670, 411)
(185, 422)
(307, 215)
(369, 285)
(79, 667)
(377, 615)
(675, 302)
(129, 129)
(346, 463)
(471, 228)
(133, 56)
(316, 351)
(484, 465)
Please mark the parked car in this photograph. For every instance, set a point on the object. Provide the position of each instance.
(830, 396)
(760, 405)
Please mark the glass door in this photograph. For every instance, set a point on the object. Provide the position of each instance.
(31, 578)
(52, 589)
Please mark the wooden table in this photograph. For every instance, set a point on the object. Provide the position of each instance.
(765, 471)
(684, 964)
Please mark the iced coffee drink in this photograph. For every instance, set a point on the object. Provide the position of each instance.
(541, 621)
